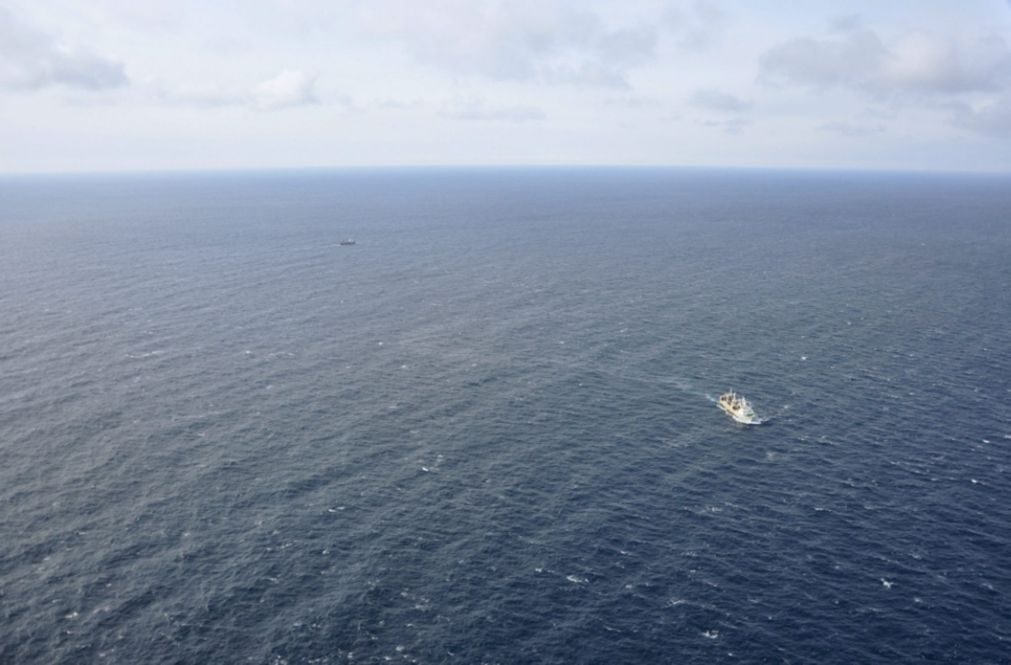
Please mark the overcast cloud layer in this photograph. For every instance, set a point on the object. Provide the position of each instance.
(117, 85)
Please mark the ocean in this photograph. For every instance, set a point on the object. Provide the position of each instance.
(486, 432)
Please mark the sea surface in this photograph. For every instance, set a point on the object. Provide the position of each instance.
(485, 433)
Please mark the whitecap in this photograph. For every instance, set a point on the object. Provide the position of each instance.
(576, 579)
(711, 634)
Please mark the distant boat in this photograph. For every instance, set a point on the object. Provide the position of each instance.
(738, 408)
(347, 242)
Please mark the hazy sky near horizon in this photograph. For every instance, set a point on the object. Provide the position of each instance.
(120, 85)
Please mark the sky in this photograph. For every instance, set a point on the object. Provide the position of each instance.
(118, 85)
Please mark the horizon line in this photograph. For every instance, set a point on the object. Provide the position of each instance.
(491, 167)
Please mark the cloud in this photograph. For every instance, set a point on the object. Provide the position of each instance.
(730, 111)
(289, 88)
(853, 59)
(398, 104)
(478, 110)
(696, 27)
(526, 40)
(926, 63)
(850, 129)
(633, 102)
(966, 78)
(729, 125)
(917, 64)
(717, 100)
(992, 119)
(33, 60)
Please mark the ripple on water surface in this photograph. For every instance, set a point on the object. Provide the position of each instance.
(482, 433)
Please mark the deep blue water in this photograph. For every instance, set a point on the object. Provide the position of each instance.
(485, 434)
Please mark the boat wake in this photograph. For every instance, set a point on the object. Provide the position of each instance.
(745, 418)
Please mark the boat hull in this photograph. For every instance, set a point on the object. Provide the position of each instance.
(743, 418)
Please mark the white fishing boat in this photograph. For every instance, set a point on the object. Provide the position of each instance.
(738, 408)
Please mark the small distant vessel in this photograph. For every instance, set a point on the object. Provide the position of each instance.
(738, 408)
(349, 241)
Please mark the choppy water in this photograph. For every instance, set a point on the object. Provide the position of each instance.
(482, 434)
